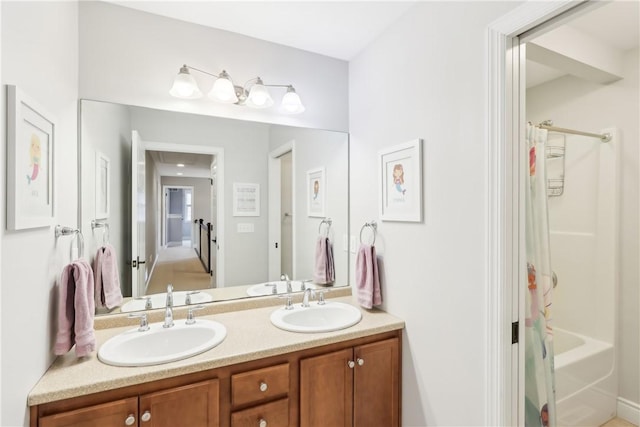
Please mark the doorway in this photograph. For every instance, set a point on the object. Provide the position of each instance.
(186, 185)
(507, 276)
(177, 212)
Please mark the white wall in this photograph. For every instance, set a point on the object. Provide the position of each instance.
(132, 57)
(425, 78)
(39, 55)
(577, 104)
(106, 128)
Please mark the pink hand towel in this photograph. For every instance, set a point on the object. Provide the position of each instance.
(324, 270)
(76, 310)
(367, 277)
(107, 278)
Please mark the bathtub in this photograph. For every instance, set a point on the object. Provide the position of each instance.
(586, 387)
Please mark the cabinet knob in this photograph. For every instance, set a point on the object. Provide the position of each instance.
(262, 423)
(360, 362)
(131, 420)
(263, 387)
(351, 364)
(146, 416)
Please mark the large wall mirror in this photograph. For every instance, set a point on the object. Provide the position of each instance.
(219, 208)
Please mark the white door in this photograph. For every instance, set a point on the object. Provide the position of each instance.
(138, 219)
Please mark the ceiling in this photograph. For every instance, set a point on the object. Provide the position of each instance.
(332, 28)
(615, 24)
(337, 28)
(194, 165)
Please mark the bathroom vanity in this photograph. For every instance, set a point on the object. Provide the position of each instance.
(258, 376)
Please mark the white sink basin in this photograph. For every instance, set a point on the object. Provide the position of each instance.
(331, 316)
(266, 288)
(159, 345)
(159, 300)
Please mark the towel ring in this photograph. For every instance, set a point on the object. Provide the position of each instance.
(374, 228)
(77, 237)
(105, 234)
(325, 221)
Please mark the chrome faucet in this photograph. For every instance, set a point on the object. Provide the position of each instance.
(285, 277)
(168, 311)
(308, 293)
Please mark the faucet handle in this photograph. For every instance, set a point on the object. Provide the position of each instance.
(273, 286)
(289, 303)
(321, 293)
(187, 299)
(147, 302)
(191, 319)
(144, 323)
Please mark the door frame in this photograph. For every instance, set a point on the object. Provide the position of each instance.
(165, 209)
(275, 215)
(505, 273)
(219, 153)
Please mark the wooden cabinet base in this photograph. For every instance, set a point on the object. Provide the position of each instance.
(351, 383)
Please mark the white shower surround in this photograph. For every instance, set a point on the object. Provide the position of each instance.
(584, 255)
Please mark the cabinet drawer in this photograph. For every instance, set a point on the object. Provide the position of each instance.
(259, 384)
(274, 414)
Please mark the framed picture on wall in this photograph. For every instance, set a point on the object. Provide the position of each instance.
(103, 185)
(30, 151)
(400, 186)
(246, 199)
(316, 190)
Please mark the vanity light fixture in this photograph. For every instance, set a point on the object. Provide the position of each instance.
(180, 165)
(253, 94)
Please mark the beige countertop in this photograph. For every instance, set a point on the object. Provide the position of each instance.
(250, 336)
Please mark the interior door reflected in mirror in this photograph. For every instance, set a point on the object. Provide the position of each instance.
(210, 204)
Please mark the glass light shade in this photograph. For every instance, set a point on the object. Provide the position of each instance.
(259, 96)
(291, 102)
(185, 86)
(223, 90)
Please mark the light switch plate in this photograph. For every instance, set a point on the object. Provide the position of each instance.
(245, 227)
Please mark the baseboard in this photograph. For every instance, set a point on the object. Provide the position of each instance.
(629, 411)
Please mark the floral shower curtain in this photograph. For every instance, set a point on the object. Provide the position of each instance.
(540, 407)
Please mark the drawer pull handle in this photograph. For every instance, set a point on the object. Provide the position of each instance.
(131, 420)
(360, 362)
(351, 364)
(262, 423)
(146, 416)
(263, 387)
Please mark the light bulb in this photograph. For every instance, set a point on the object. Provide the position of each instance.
(223, 90)
(185, 86)
(259, 96)
(291, 102)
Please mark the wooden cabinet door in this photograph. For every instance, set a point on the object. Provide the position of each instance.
(326, 390)
(376, 384)
(112, 414)
(190, 405)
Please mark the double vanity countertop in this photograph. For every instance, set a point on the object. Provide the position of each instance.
(250, 336)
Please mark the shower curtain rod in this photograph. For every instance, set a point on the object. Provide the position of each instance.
(548, 125)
